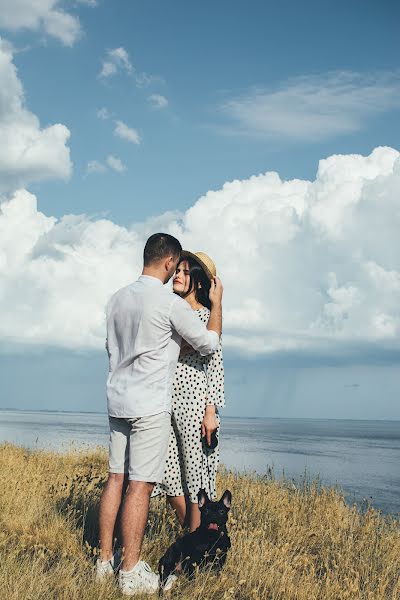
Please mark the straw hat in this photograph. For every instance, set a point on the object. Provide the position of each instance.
(203, 260)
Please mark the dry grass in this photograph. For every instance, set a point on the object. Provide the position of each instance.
(288, 543)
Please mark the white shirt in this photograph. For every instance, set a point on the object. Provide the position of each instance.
(146, 322)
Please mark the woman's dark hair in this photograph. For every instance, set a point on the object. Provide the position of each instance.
(199, 282)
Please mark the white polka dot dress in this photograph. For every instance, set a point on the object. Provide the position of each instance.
(198, 381)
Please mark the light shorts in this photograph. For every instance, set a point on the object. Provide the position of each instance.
(139, 446)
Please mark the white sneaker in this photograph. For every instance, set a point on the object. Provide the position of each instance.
(140, 580)
(104, 569)
(170, 582)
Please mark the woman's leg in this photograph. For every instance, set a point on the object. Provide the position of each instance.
(188, 513)
(178, 503)
(194, 518)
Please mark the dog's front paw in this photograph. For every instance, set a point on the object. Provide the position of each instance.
(170, 582)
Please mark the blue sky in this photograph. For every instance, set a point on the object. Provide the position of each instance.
(199, 57)
(193, 96)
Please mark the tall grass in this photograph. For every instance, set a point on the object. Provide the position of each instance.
(287, 543)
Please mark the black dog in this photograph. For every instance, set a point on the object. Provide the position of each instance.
(208, 545)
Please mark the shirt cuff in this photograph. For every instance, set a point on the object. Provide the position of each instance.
(213, 343)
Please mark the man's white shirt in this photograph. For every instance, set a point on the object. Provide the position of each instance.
(146, 322)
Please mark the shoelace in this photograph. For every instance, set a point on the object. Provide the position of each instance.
(146, 566)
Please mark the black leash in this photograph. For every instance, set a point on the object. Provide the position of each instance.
(209, 477)
(207, 449)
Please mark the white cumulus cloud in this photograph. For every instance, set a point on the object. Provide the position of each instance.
(116, 60)
(115, 164)
(67, 266)
(158, 101)
(112, 162)
(126, 133)
(309, 267)
(314, 107)
(40, 15)
(27, 151)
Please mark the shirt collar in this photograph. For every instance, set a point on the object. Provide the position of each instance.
(150, 280)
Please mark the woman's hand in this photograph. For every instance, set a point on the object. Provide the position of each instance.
(216, 291)
(210, 423)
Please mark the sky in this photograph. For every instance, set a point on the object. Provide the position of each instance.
(265, 134)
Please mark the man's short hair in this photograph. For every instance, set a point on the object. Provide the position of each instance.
(159, 246)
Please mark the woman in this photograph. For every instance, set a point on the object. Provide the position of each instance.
(198, 391)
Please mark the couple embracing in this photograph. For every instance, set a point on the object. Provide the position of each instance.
(164, 387)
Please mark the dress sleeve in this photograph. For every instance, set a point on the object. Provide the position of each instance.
(214, 367)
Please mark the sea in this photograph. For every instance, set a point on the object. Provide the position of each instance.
(359, 457)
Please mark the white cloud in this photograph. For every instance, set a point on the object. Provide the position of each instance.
(158, 101)
(91, 3)
(112, 162)
(314, 107)
(67, 267)
(27, 152)
(40, 15)
(103, 113)
(145, 80)
(116, 60)
(108, 68)
(115, 164)
(121, 57)
(311, 267)
(94, 166)
(126, 133)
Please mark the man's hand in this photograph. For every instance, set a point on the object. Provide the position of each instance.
(216, 291)
(210, 423)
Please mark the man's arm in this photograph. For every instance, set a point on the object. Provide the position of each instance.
(184, 320)
(111, 342)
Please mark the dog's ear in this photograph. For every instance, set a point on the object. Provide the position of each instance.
(226, 499)
(202, 498)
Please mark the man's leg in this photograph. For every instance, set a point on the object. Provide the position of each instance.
(148, 446)
(109, 506)
(135, 512)
(114, 489)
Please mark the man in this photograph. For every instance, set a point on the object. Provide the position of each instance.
(145, 326)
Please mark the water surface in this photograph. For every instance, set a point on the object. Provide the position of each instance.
(361, 457)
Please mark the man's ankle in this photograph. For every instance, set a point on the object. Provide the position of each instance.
(127, 566)
(106, 555)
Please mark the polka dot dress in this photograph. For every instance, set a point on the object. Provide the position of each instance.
(198, 381)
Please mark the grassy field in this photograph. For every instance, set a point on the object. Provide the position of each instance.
(288, 543)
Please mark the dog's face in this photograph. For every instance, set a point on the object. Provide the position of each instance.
(214, 515)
